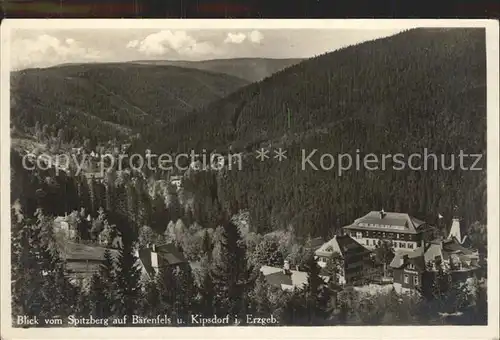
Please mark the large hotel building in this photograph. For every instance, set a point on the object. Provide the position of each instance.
(402, 230)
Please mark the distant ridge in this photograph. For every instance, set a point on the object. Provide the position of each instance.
(250, 69)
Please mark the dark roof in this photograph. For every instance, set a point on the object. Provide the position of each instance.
(314, 243)
(279, 278)
(418, 262)
(168, 255)
(400, 222)
(294, 279)
(342, 245)
(82, 252)
(452, 246)
(430, 251)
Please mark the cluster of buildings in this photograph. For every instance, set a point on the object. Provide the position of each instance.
(415, 251)
(415, 248)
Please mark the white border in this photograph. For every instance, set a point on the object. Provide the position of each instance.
(382, 332)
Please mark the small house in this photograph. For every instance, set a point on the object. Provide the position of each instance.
(285, 278)
(153, 258)
(353, 258)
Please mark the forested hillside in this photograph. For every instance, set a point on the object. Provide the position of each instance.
(105, 101)
(418, 89)
(250, 69)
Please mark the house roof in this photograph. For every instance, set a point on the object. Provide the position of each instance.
(82, 252)
(453, 246)
(342, 245)
(294, 279)
(168, 255)
(314, 243)
(400, 222)
(430, 251)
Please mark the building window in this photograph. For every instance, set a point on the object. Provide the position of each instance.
(397, 236)
(402, 244)
(353, 234)
(359, 234)
(407, 278)
(411, 266)
(415, 280)
(367, 242)
(383, 234)
(410, 245)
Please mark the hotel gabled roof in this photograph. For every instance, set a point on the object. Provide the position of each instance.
(401, 222)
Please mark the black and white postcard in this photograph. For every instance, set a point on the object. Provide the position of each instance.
(263, 178)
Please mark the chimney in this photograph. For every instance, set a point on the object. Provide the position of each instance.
(426, 244)
(154, 261)
(286, 267)
(382, 213)
(455, 230)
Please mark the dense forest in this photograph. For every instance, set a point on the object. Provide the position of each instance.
(414, 90)
(418, 89)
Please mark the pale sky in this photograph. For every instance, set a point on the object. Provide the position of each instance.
(42, 48)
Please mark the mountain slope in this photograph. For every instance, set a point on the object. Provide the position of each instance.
(418, 89)
(103, 101)
(250, 69)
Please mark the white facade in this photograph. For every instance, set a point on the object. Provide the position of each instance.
(371, 243)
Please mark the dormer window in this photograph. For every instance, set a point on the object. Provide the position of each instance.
(359, 234)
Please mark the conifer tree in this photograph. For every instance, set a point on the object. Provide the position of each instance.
(84, 193)
(39, 283)
(127, 283)
(151, 304)
(185, 293)
(159, 216)
(207, 246)
(230, 273)
(317, 293)
(261, 305)
(166, 284)
(107, 278)
(99, 302)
